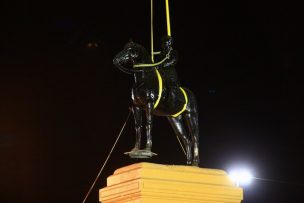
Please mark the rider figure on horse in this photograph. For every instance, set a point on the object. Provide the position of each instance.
(167, 68)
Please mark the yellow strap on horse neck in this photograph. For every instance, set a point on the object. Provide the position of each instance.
(153, 64)
(149, 65)
(185, 105)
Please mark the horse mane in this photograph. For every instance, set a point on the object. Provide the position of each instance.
(144, 54)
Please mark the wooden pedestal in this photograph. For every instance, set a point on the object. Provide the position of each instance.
(156, 183)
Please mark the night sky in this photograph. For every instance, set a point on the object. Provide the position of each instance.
(63, 103)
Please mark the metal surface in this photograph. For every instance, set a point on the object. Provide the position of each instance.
(146, 91)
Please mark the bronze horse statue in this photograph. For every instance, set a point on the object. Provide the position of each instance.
(151, 94)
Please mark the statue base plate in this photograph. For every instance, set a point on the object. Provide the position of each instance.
(140, 154)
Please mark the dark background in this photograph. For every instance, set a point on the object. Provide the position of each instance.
(62, 102)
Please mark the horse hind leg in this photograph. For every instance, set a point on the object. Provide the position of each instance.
(191, 118)
(179, 130)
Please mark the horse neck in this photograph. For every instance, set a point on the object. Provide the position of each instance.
(140, 77)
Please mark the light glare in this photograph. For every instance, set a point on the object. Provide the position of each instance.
(241, 176)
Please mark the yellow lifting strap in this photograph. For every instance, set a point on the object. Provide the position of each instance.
(160, 80)
(152, 52)
(153, 64)
(168, 27)
(160, 88)
(168, 18)
(185, 105)
(160, 91)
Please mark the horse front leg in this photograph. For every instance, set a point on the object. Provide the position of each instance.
(149, 116)
(137, 113)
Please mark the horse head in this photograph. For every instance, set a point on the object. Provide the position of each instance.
(131, 54)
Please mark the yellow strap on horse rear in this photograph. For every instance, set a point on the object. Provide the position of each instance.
(160, 91)
(185, 105)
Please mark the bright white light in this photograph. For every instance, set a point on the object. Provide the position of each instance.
(241, 176)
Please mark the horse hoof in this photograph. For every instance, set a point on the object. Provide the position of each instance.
(195, 164)
(195, 161)
(134, 149)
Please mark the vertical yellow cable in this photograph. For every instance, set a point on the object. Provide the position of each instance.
(152, 51)
(168, 18)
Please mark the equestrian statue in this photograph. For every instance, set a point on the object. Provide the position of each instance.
(157, 91)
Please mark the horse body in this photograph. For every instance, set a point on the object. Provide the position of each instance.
(147, 97)
(142, 93)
